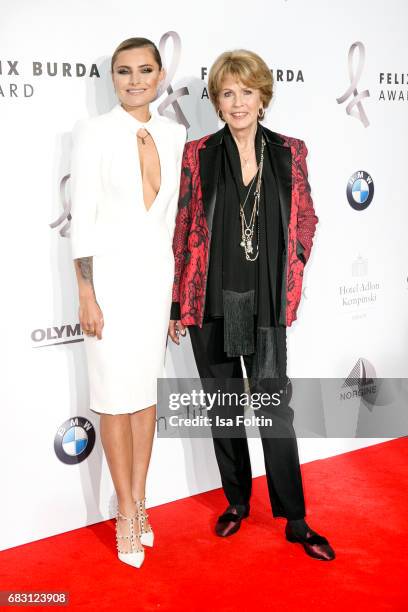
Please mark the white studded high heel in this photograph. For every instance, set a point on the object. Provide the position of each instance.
(135, 556)
(146, 532)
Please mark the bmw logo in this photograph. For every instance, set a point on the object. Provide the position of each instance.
(360, 190)
(74, 440)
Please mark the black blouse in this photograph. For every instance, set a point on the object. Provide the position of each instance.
(228, 268)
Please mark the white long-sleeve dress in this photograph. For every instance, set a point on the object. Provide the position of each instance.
(133, 263)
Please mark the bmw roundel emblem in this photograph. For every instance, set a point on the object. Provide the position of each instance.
(360, 190)
(74, 440)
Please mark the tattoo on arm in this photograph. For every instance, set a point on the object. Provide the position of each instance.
(85, 265)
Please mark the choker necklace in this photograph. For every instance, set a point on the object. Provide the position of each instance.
(248, 227)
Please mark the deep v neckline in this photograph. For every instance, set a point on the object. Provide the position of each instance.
(250, 181)
(157, 147)
(152, 125)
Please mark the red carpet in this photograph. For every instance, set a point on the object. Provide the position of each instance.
(358, 500)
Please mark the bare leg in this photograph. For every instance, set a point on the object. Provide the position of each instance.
(116, 436)
(143, 424)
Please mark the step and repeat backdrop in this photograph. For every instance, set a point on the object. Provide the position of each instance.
(341, 84)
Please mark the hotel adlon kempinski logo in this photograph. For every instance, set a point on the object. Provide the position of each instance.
(359, 293)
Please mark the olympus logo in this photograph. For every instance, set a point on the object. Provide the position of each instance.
(50, 336)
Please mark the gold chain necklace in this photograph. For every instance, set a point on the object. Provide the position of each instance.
(248, 227)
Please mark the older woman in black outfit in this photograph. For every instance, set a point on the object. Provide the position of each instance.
(244, 233)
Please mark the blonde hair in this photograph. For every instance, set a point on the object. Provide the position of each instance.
(247, 67)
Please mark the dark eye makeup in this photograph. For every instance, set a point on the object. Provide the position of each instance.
(126, 69)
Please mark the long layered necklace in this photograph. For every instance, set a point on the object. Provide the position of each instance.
(248, 226)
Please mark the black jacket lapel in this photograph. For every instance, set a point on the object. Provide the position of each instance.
(281, 158)
(210, 164)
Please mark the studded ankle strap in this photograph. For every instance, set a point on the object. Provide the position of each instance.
(134, 538)
(141, 509)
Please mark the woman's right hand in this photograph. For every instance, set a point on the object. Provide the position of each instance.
(91, 317)
(176, 328)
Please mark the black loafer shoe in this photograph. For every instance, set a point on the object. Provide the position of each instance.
(230, 521)
(315, 545)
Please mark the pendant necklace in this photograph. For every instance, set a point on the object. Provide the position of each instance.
(143, 138)
(245, 161)
(248, 227)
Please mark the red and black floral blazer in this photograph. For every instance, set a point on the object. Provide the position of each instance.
(191, 243)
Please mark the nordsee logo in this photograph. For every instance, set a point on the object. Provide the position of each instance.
(74, 440)
(363, 384)
(360, 381)
(63, 334)
(360, 190)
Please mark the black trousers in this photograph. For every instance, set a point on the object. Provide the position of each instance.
(280, 452)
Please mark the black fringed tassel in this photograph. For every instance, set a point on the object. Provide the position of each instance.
(238, 322)
(265, 361)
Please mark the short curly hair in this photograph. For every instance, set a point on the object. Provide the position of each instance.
(247, 67)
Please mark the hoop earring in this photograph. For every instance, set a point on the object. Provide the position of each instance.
(219, 113)
(262, 114)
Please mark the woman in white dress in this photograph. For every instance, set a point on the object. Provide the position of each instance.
(125, 177)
